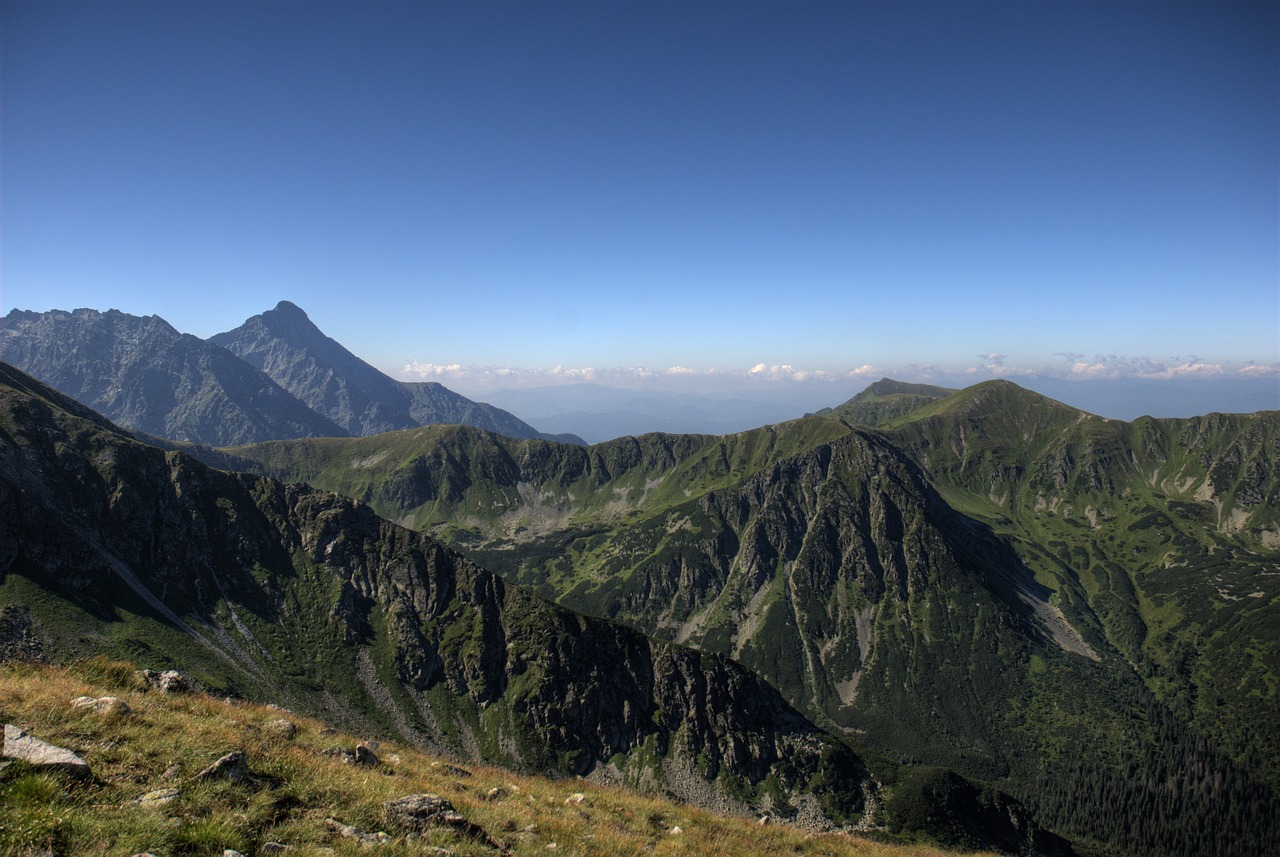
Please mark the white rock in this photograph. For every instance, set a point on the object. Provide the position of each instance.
(20, 745)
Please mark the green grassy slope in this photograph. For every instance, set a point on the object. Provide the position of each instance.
(1080, 609)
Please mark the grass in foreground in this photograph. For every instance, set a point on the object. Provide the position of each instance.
(295, 788)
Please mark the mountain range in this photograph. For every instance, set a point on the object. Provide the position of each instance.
(277, 376)
(306, 598)
(980, 616)
(1082, 611)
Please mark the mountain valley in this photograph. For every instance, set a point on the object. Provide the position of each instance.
(1019, 619)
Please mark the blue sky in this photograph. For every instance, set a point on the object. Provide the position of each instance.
(487, 193)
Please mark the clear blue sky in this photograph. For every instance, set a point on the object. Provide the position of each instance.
(714, 186)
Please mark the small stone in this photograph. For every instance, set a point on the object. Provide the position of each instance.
(676, 831)
(233, 766)
(159, 797)
(281, 728)
(494, 793)
(231, 852)
(365, 756)
(764, 819)
(20, 745)
(575, 798)
(172, 681)
(363, 837)
(171, 772)
(82, 702)
(106, 705)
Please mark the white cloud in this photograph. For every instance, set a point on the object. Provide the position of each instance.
(415, 370)
(680, 370)
(787, 372)
(1198, 369)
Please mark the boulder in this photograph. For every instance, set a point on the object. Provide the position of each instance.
(33, 751)
(421, 812)
(169, 681)
(102, 705)
(233, 766)
(281, 728)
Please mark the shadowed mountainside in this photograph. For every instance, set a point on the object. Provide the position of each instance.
(992, 581)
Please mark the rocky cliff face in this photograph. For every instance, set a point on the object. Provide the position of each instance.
(294, 594)
(287, 346)
(143, 374)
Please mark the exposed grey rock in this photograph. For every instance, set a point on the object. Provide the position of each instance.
(231, 852)
(281, 728)
(422, 812)
(364, 837)
(233, 766)
(364, 755)
(172, 681)
(19, 745)
(102, 705)
(19, 636)
(159, 797)
(169, 681)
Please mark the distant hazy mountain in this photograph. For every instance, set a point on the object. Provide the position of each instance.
(143, 374)
(600, 413)
(287, 346)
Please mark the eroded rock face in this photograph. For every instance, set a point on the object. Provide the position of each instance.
(19, 745)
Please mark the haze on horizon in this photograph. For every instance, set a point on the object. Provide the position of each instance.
(678, 196)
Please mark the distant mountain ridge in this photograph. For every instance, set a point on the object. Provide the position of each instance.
(142, 373)
(885, 401)
(275, 377)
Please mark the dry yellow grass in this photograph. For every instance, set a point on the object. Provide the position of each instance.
(296, 787)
